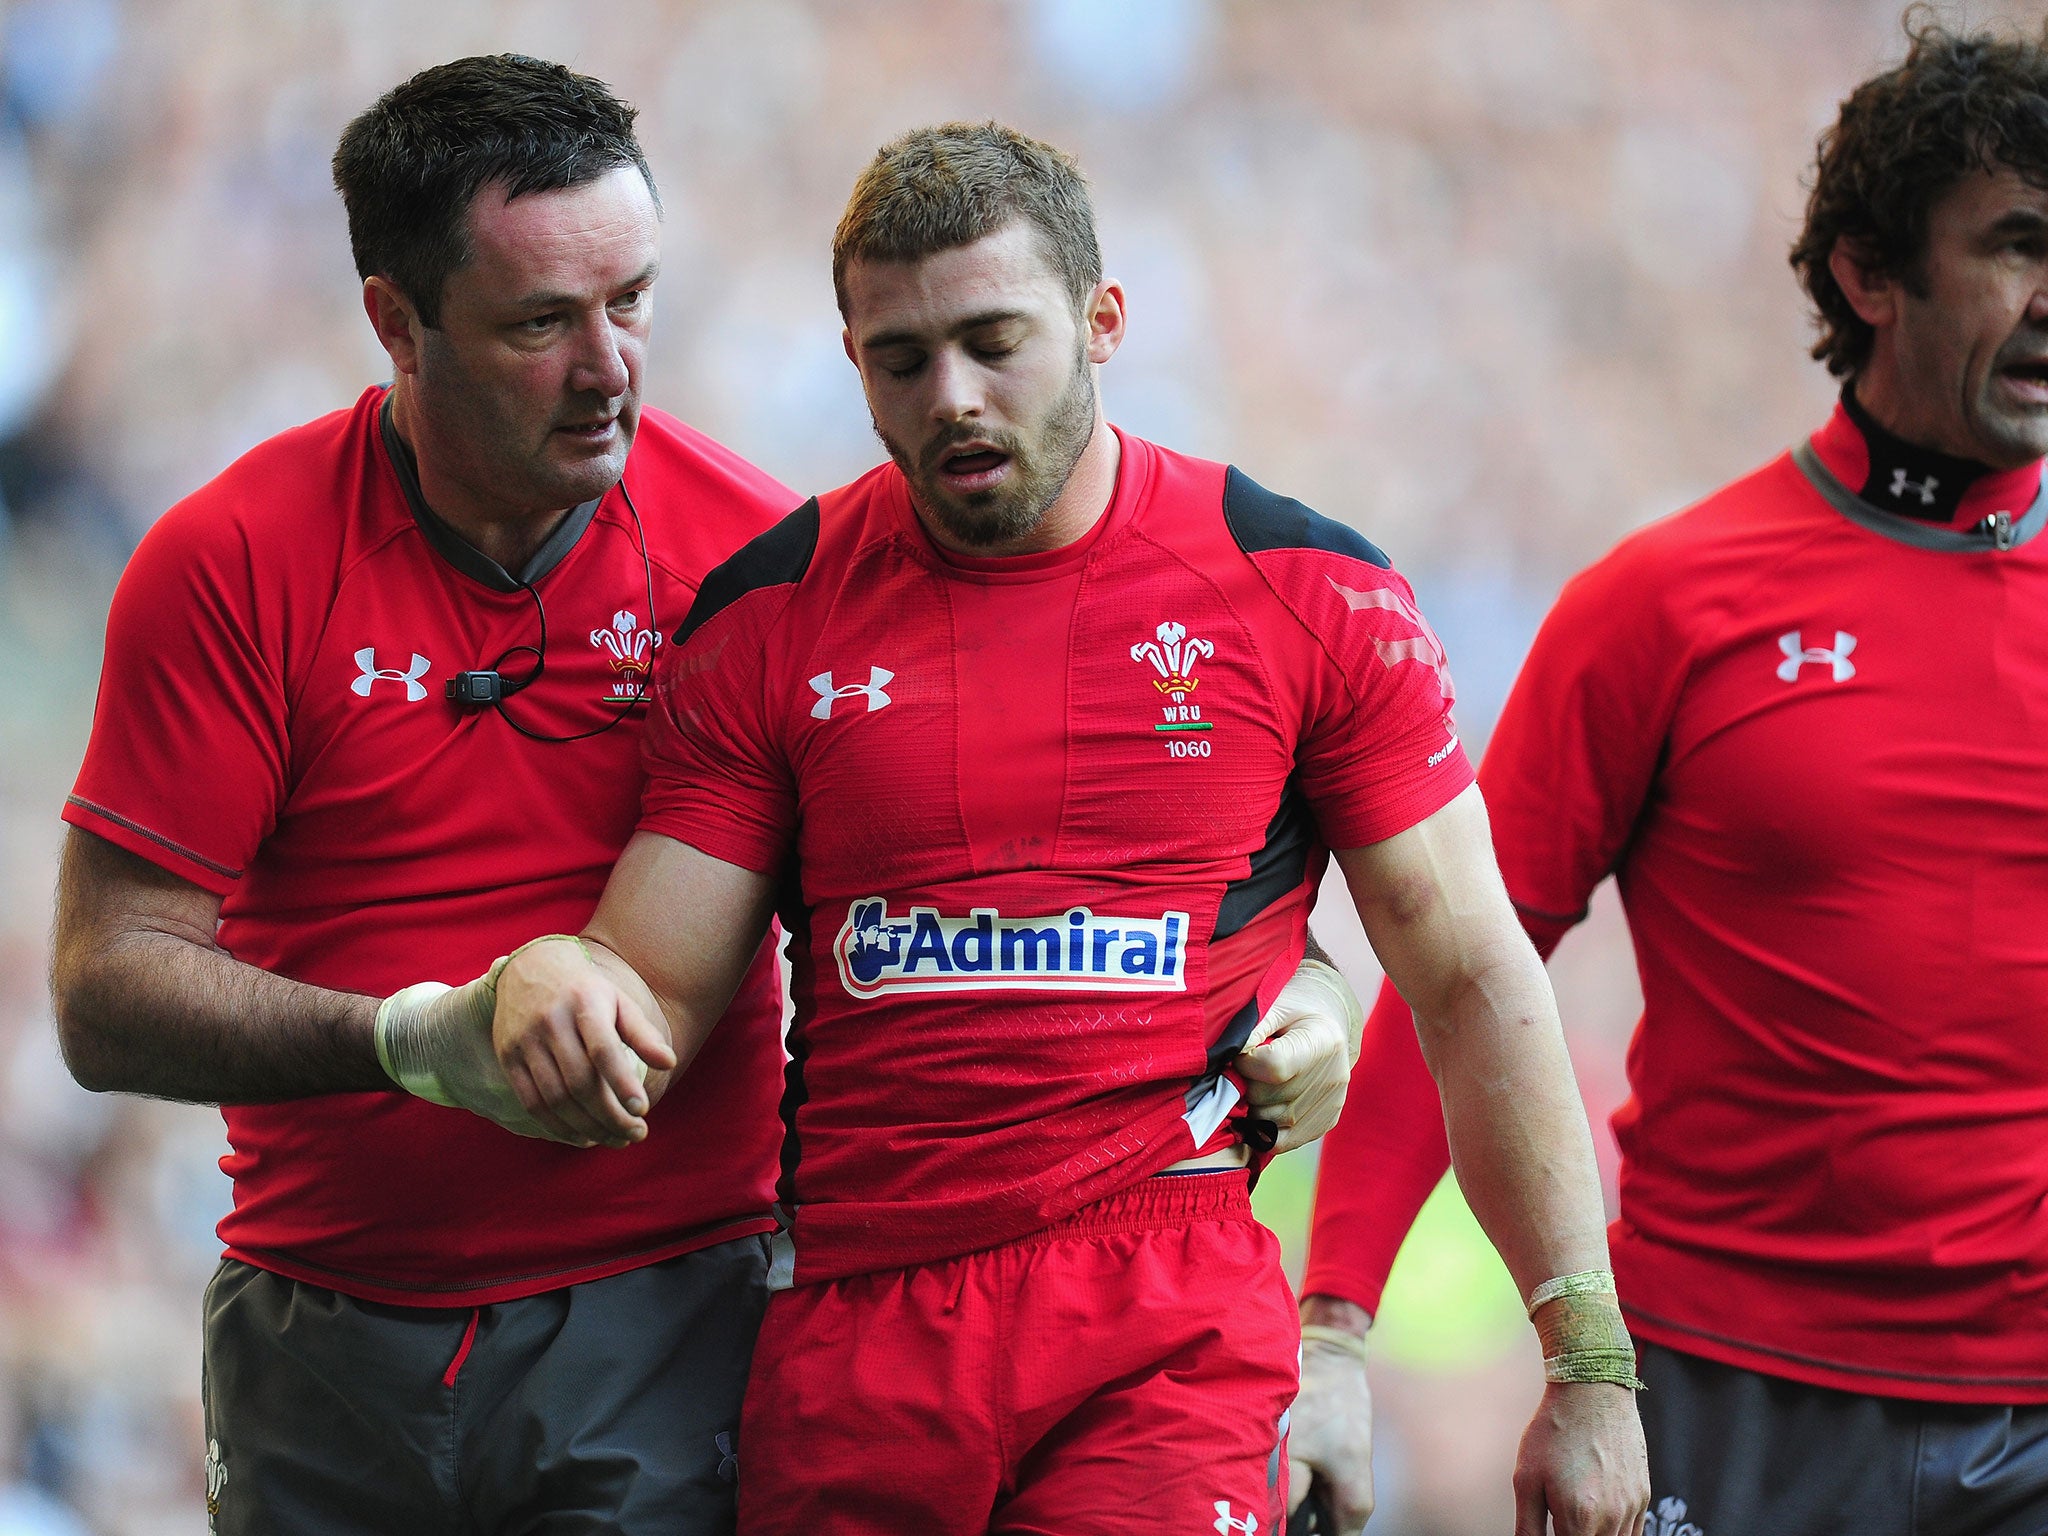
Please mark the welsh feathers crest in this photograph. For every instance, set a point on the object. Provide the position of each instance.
(1173, 656)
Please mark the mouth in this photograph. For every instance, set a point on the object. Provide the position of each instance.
(966, 468)
(591, 432)
(2028, 380)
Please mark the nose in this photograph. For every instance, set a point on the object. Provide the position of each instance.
(956, 387)
(601, 364)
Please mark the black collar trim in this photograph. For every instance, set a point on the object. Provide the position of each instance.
(1997, 532)
(1921, 483)
(458, 551)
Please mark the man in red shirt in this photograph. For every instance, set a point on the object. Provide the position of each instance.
(422, 1322)
(376, 694)
(1036, 738)
(1801, 723)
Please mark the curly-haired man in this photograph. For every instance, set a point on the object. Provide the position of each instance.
(1802, 722)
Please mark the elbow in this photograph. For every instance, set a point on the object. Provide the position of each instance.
(89, 1048)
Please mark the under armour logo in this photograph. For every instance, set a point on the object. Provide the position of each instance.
(1924, 489)
(878, 678)
(1798, 655)
(366, 662)
(728, 1458)
(1249, 1525)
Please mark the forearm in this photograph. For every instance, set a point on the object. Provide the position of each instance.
(164, 1015)
(1517, 1127)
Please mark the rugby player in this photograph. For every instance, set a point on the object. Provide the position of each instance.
(1036, 737)
(372, 709)
(1801, 722)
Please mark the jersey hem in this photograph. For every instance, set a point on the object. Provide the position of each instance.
(1765, 1360)
(483, 1293)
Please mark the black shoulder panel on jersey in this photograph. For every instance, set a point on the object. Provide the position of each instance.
(772, 559)
(1259, 519)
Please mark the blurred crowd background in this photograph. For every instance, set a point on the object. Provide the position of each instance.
(1495, 280)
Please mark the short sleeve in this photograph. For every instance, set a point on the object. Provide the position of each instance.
(1380, 752)
(1579, 740)
(717, 777)
(188, 760)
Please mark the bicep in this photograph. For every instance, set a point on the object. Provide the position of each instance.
(1432, 902)
(688, 923)
(106, 894)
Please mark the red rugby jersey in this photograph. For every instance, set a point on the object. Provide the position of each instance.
(272, 726)
(1810, 737)
(1054, 825)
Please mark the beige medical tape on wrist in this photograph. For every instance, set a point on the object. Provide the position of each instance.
(434, 1041)
(1339, 1338)
(1584, 1338)
(1330, 982)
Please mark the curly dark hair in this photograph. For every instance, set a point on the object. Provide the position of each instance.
(1957, 104)
(409, 166)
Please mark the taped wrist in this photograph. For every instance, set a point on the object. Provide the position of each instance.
(434, 1041)
(1584, 1338)
(1316, 982)
(1337, 1338)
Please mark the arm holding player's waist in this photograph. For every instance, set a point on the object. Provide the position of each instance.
(147, 1002)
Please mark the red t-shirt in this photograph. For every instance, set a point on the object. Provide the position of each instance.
(1053, 825)
(272, 726)
(1807, 735)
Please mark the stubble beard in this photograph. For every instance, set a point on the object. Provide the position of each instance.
(1039, 470)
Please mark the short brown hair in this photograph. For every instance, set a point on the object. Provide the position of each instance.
(934, 189)
(1904, 139)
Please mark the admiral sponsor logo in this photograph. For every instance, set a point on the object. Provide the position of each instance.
(1074, 950)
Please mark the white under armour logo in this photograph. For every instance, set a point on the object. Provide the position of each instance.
(1924, 489)
(1798, 655)
(878, 678)
(1249, 1525)
(366, 661)
(1668, 1519)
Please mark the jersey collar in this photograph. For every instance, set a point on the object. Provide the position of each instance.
(2001, 529)
(452, 546)
(1920, 484)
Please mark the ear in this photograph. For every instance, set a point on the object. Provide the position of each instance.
(846, 341)
(1871, 293)
(395, 321)
(1105, 319)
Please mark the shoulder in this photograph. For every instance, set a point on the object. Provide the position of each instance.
(1705, 554)
(1261, 520)
(671, 455)
(291, 503)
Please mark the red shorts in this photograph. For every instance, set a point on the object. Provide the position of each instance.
(1127, 1370)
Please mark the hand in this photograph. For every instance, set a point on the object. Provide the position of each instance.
(574, 1047)
(1583, 1464)
(1329, 1432)
(1297, 1062)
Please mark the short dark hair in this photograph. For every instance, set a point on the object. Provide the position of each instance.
(934, 189)
(1904, 139)
(409, 167)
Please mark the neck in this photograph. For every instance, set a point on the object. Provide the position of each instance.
(1909, 479)
(508, 535)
